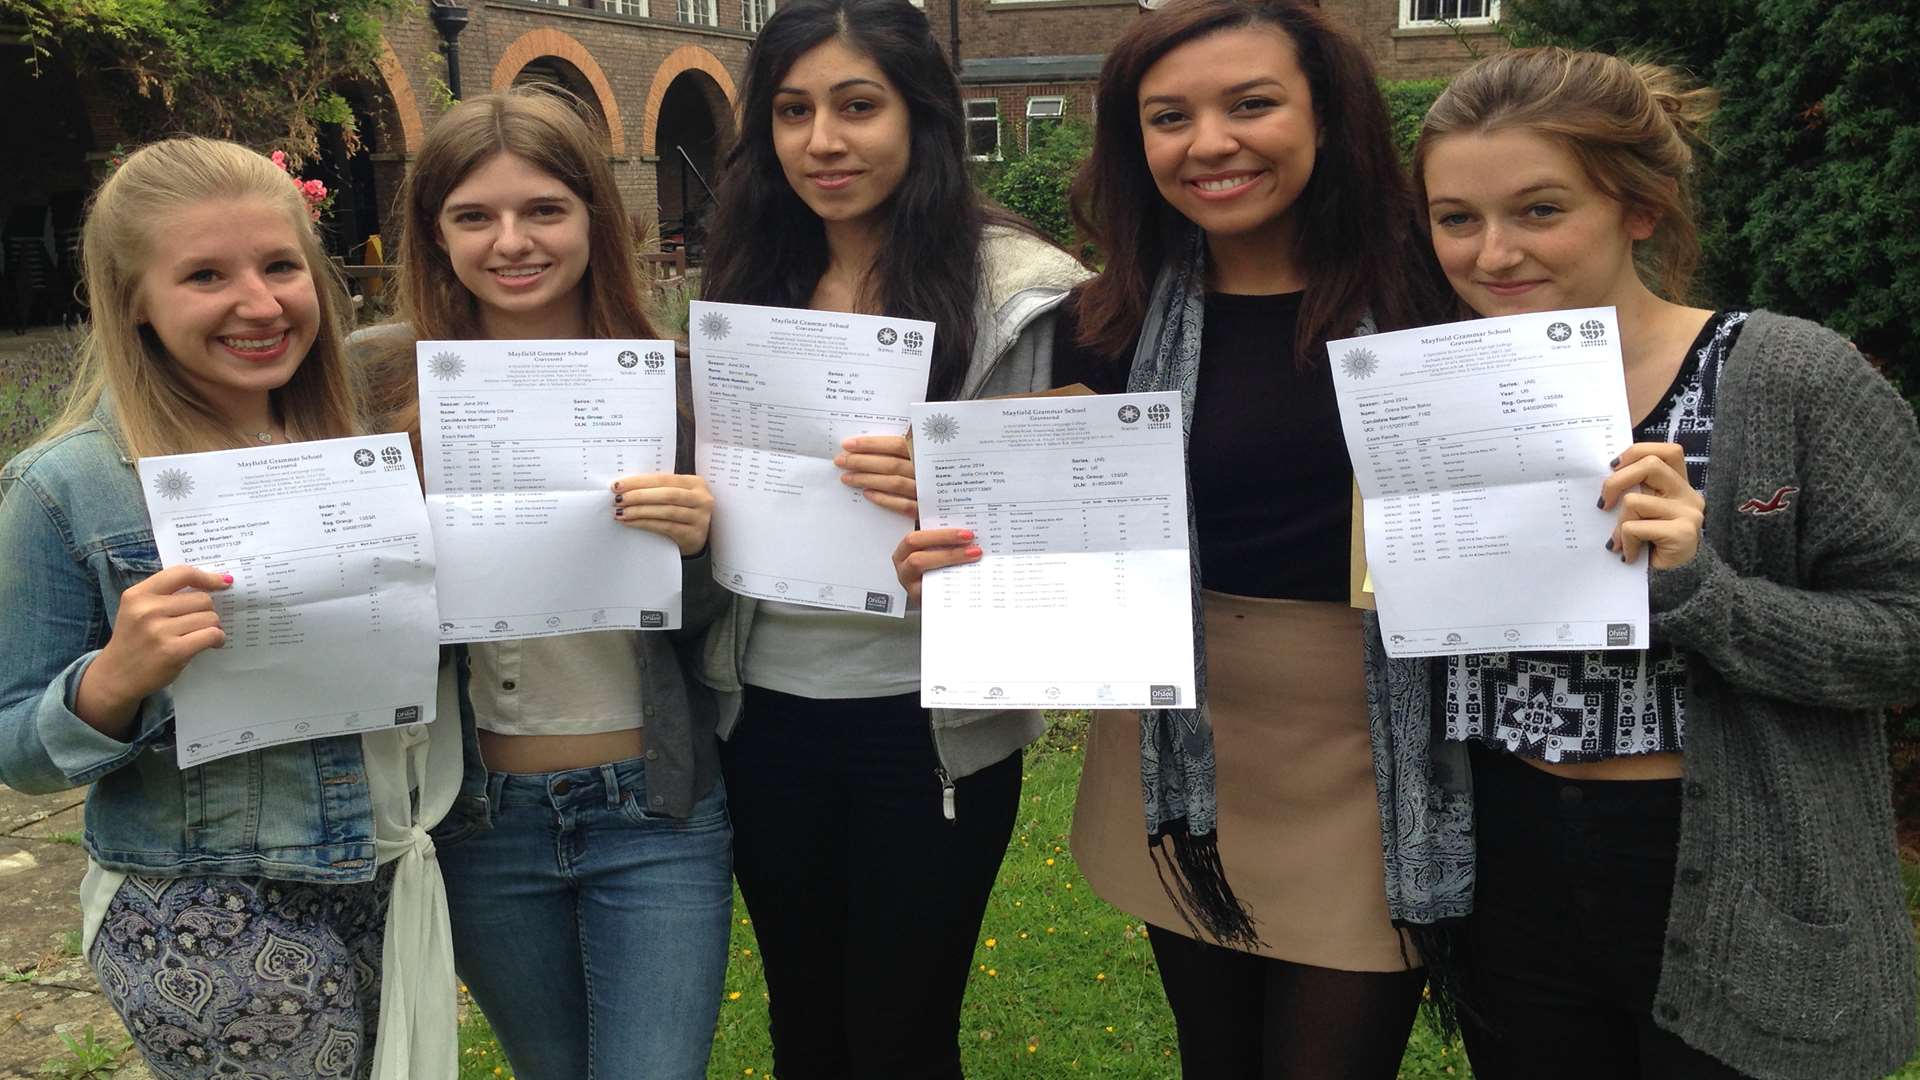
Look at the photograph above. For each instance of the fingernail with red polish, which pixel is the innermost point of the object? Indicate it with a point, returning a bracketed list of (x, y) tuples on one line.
[(228, 578), (966, 534), (973, 552)]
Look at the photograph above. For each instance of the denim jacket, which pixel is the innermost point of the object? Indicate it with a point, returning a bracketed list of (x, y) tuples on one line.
[(74, 534)]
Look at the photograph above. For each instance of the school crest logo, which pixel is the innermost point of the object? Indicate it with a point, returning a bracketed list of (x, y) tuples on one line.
[(1559, 331), (887, 336), (173, 484), (1359, 362), (1129, 414), (628, 358), (940, 428), (715, 326), (363, 457), (446, 366)]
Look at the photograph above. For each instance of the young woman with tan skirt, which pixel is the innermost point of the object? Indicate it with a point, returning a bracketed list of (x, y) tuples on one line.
[(1244, 191)]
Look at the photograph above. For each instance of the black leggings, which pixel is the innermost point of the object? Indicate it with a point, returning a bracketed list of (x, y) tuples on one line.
[(866, 901), (1569, 927), (1247, 1017)]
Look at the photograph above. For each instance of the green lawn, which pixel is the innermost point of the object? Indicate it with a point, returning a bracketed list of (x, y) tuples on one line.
[(1062, 983)]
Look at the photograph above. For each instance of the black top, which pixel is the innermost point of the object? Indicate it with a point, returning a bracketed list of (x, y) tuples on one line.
[(1272, 488)]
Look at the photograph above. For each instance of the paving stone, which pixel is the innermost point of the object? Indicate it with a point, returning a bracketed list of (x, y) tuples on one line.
[(33, 1017), (18, 810), (42, 900), (69, 822)]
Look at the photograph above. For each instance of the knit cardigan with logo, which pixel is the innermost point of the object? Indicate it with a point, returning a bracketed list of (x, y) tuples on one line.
[(1789, 951)]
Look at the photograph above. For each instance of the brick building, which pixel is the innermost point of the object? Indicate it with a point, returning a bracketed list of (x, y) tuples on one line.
[(1026, 63), (660, 75)]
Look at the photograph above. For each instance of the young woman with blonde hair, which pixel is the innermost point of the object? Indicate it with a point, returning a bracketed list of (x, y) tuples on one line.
[(268, 912), (1679, 861), (587, 870)]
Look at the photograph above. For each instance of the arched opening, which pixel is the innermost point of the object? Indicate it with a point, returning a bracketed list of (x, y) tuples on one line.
[(346, 166), (553, 71), (691, 137), (43, 190)]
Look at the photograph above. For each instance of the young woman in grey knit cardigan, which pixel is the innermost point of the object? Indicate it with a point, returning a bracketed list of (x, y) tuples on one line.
[(1676, 862)]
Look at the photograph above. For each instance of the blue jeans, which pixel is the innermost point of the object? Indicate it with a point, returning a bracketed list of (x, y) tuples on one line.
[(592, 933)]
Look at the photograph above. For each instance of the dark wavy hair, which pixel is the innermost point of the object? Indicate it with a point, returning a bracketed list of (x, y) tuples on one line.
[(1356, 239), (767, 247)]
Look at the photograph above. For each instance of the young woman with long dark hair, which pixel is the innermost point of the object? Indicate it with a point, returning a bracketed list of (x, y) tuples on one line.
[(1245, 193), (868, 831)]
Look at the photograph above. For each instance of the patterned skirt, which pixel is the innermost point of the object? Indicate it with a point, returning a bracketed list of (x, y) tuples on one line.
[(241, 977)]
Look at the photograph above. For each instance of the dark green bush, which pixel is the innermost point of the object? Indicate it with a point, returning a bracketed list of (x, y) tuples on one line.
[(1034, 183), (1407, 104), (1811, 197)]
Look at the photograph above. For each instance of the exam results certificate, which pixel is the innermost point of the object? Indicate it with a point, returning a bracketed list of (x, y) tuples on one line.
[(330, 618), (775, 391), (1480, 448), (523, 441), (1083, 596)]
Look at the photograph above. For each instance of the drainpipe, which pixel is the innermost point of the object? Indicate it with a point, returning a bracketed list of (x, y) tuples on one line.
[(449, 18)]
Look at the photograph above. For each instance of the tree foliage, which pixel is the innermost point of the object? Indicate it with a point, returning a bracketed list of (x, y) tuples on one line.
[(262, 72), (1811, 196)]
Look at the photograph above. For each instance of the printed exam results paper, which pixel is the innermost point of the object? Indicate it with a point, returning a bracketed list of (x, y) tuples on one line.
[(330, 619), (1082, 598), (775, 392), (523, 441), (1480, 448)]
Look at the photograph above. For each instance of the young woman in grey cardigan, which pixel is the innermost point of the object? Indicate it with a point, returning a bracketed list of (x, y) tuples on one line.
[(1675, 862)]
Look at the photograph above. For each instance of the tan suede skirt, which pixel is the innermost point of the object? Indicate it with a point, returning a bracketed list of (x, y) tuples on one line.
[(1299, 825)]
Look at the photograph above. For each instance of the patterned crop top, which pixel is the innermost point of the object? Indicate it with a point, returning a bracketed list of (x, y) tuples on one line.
[(1587, 706)]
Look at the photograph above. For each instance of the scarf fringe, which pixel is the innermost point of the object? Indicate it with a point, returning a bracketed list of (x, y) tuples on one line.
[(1442, 952), (1190, 871)]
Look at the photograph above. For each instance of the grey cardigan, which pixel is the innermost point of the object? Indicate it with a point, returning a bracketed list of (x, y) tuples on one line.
[(1789, 949), (1026, 279)]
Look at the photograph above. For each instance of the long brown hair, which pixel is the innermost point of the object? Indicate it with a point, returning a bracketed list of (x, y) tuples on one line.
[(550, 132), (1356, 237), (1633, 127), (156, 410)]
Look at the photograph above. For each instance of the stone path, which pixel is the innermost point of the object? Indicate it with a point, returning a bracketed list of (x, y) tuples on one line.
[(45, 990)]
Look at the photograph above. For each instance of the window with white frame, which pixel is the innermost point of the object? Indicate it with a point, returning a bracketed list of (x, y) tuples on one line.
[(983, 128), (705, 12), (1043, 113), (1415, 13), (625, 7), (754, 14)]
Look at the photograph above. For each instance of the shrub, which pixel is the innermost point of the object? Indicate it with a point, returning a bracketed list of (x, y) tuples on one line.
[(1034, 184), (1407, 105), (1811, 199)]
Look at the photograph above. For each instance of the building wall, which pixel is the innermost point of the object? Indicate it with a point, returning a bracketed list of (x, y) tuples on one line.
[(627, 63), (1412, 53), (1017, 28)]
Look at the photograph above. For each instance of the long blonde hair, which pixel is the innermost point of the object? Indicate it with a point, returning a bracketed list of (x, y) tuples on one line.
[(155, 408), (550, 132), (1635, 128)]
